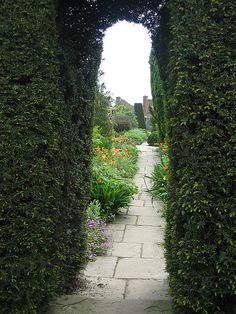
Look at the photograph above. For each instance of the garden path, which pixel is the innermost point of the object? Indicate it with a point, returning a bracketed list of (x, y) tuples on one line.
[(131, 278)]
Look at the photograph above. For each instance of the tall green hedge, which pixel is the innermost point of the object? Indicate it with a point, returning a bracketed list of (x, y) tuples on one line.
[(200, 236), (138, 110), (45, 156), (31, 163)]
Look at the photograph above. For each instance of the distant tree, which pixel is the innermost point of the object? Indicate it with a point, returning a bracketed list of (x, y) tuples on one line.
[(138, 109), (123, 118), (102, 111)]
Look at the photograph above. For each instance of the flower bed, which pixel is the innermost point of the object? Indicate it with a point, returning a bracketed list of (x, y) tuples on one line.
[(114, 165)]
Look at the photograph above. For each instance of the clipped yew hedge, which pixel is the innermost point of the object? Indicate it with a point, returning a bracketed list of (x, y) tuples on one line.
[(44, 169), (138, 110), (158, 108), (200, 234)]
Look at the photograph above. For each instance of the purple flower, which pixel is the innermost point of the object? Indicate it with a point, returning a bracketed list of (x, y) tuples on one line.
[(92, 223)]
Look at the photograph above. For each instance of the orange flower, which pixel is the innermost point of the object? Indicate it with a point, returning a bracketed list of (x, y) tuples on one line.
[(165, 168), (104, 157), (161, 145)]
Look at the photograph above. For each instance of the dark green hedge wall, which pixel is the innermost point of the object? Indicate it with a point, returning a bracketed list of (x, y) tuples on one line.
[(138, 110), (200, 236), (31, 163), (45, 153)]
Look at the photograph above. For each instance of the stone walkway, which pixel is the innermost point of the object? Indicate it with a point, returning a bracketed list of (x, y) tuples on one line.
[(131, 278)]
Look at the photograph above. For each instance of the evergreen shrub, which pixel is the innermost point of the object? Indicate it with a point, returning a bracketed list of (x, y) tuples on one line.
[(138, 109), (153, 138), (136, 136)]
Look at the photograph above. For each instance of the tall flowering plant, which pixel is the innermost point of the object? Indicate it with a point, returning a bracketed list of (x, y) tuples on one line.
[(99, 238), (98, 234)]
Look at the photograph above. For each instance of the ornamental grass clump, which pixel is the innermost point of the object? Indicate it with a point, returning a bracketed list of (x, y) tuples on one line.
[(160, 177)]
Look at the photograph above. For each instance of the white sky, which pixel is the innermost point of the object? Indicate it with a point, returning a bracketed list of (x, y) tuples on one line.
[(126, 50)]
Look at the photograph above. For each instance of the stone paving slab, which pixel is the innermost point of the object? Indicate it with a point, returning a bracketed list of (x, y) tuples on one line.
[(137, 203), (147, 290), (150, 221), (140, 268), (117, 235), (126, 249), (126, 219), (100, 288), (143, 234), (153, 250), (74, 304), (103, 267), (142, 211), (118, 227)]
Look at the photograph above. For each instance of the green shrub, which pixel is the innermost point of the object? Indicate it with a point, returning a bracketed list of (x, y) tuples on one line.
[(99, 140), (123, 119), (102, 107), (136, 136), (159, 179), (153, 138), (112, 191), (93, 210), (121, 123)]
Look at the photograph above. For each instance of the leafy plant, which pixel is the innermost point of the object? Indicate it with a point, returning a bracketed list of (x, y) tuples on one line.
[(93, 210), (123, 118), (136, 136), (99, 140), (102, 107), (112, 192), (159, 179), (120, 160), (153, 138)]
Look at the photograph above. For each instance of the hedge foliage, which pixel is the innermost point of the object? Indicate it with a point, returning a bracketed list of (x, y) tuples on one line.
[(45, 154), (158, 108), (200, 234), (31, 163), (50, 54), (138, 109)]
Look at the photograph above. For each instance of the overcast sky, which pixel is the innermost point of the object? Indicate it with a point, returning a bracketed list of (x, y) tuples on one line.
[(125, 64)]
